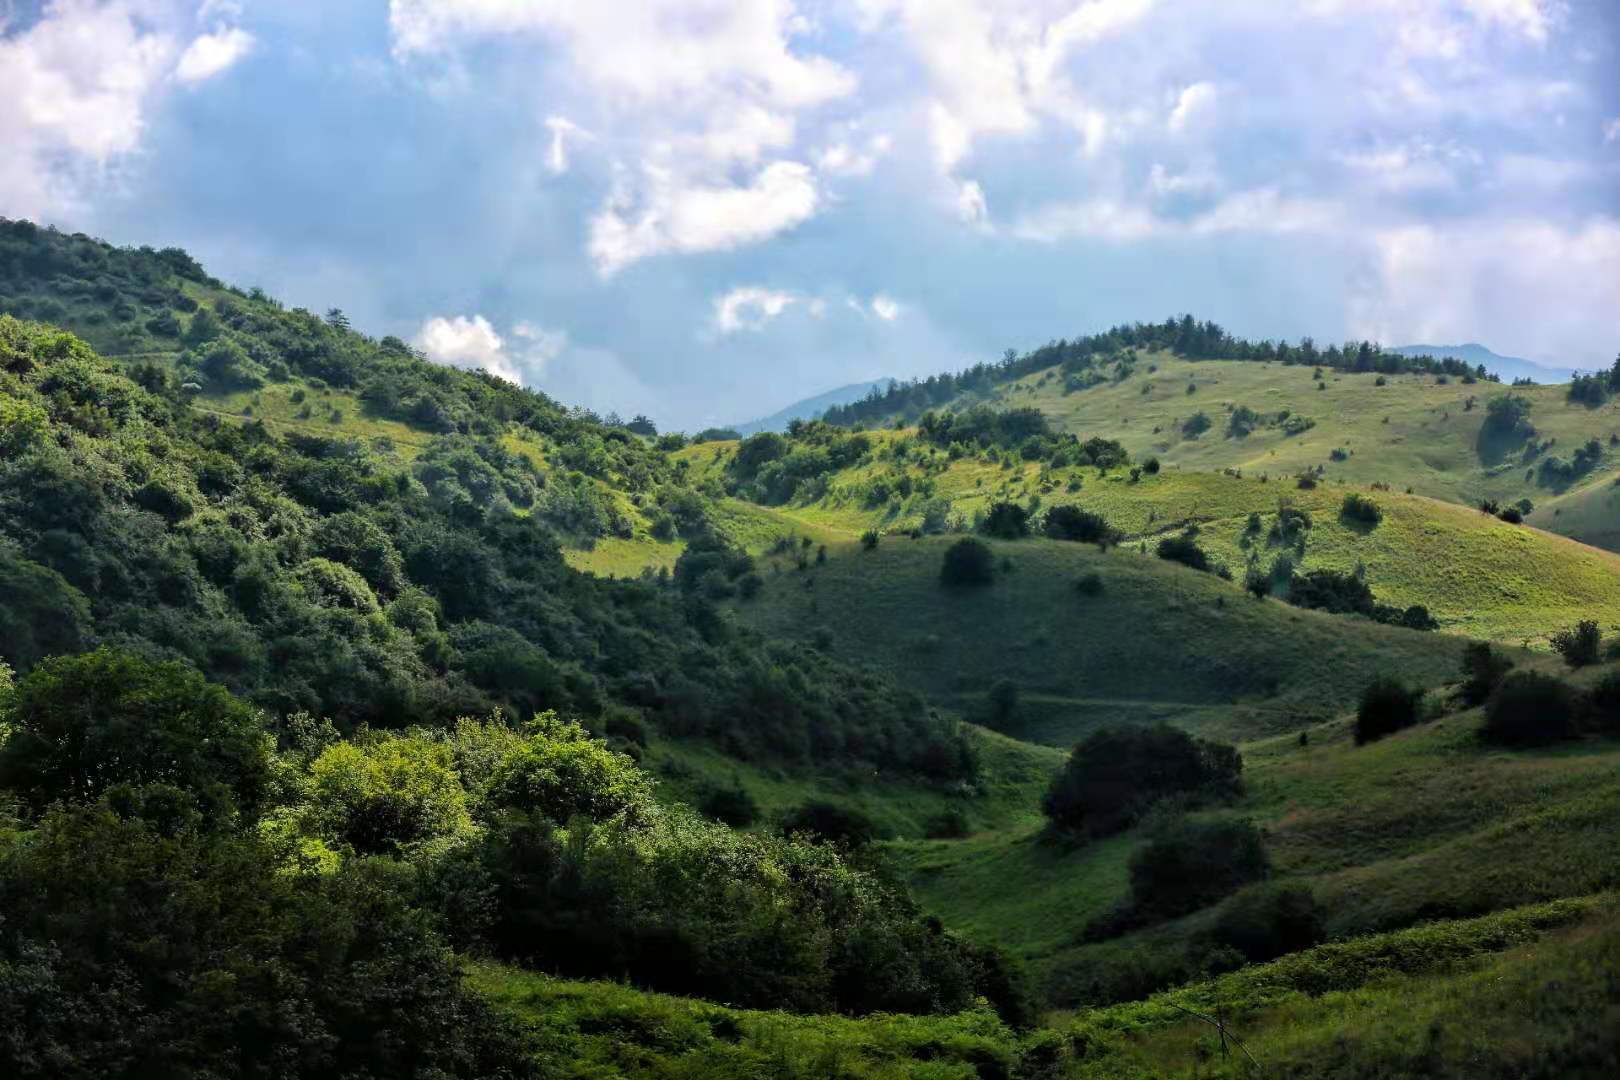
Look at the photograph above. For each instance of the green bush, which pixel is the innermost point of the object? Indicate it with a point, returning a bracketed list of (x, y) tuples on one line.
[(1006, 520), (733, 804), (1531, 709), (968, 562), (1579, 645), (1270, 921), (1358, 509), (1387, 705), (1068, 522), (1190, 864), (1114, 775), (834, 823), (1483, 668)]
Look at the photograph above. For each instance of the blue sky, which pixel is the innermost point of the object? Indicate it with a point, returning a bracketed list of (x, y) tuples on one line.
[(705, 209)]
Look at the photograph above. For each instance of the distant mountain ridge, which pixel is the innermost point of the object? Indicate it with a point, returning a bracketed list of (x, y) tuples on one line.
[(1506, 368), (811, 408)]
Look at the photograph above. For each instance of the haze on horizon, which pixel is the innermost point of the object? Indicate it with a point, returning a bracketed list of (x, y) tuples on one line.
[(703, 210)]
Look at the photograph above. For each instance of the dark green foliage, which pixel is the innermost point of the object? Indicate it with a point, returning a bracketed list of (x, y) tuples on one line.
[(1002, 705), (1349, 594), (1483, 668), (1184, 549), (733, 804), (869, 539), (1589, 390), (1508, 414), (1386, 706), (1530, 709), (1190, 864), (1006, 520), (834, 823), (1069, 522), (1604, 704), (1115, 775), (128, 952), (1359, 510), (968, 562), (1579, 645), (82, 725), (1196, 424), (40, 612), (1270, 921), (280, 566)]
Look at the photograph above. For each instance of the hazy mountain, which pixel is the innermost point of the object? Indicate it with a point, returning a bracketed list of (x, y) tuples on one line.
[(1506, 368), (812, 407)]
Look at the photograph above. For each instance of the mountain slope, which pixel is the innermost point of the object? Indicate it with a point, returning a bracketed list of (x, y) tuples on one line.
[(811, 408)]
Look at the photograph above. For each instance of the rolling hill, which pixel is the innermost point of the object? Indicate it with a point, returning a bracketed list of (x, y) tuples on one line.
[(1506, 368)]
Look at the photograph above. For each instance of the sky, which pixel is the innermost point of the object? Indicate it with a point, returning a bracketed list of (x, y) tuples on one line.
[(702, 210)]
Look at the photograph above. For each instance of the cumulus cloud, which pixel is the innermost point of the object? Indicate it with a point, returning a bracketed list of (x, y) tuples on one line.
[(472, 342), (1611, 130), (1193, 105), (211, 54), (1476, 280), (749, 307), (668, 214), (885, 308), (80, 84)]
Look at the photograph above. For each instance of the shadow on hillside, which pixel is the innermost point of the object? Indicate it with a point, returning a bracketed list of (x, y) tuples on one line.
[(1495, 445)]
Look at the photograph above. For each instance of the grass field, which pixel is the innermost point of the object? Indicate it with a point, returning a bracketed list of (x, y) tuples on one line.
[(1180, 644)]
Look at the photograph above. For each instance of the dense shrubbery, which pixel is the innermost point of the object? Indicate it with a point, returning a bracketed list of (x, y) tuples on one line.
[(1360, 510), (1184, 549), (1186, 865), (1483, 668), (1387, 706), (1579, 645), (1349, 594), (1006, 520), (149, 930), (319, 575), (1069, 522), (1531, 709), (1269, 921), (1115, 775)]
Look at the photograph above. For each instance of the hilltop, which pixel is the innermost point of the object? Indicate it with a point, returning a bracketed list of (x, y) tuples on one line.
[(1506, 368)]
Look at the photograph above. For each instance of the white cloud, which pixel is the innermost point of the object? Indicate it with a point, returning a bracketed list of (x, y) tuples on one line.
[(562, 130), (80, 84), (885, 308), (1163, 182), (749, 307), (211, 54), (1475, 280), (1611, 130), (996, 68), (471, 342), (971, 206), (674, 215), (847, 158), (1193, 104), (1259, 211), (642, 50)]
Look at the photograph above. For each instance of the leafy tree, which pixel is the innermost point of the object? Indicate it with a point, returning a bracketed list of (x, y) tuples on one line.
[(968, 562), (1114, 775), (1483, 668), (733, 804), (1184, 549), (388, 792), (41, 613), (1006, 520), (832, 822), (1579, 645), (1269, 921), (1530, 709), (1387, 705), (81, 725), (1069, 522), (1002, 701), (561, 772), (1360, 510)]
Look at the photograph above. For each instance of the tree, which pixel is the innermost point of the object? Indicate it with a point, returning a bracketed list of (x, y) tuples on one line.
[(1184, 550), (1069, 522), (1580, 644), (1006, 520), (81, 725), (1483, 668), (389, 792), (832, 822), (1387, 706), (1530, 709), (968, 562), (641, 425), (1269, 921), (1114, 775)]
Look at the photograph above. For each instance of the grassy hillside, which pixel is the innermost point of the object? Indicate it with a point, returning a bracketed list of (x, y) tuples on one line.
[(1418, 431), (1158, 640), (1477, 575)]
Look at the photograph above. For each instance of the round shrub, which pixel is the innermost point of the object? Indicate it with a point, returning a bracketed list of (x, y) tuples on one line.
[(968, 562), (1270, 921), (1387, 706), (1530, 709)]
